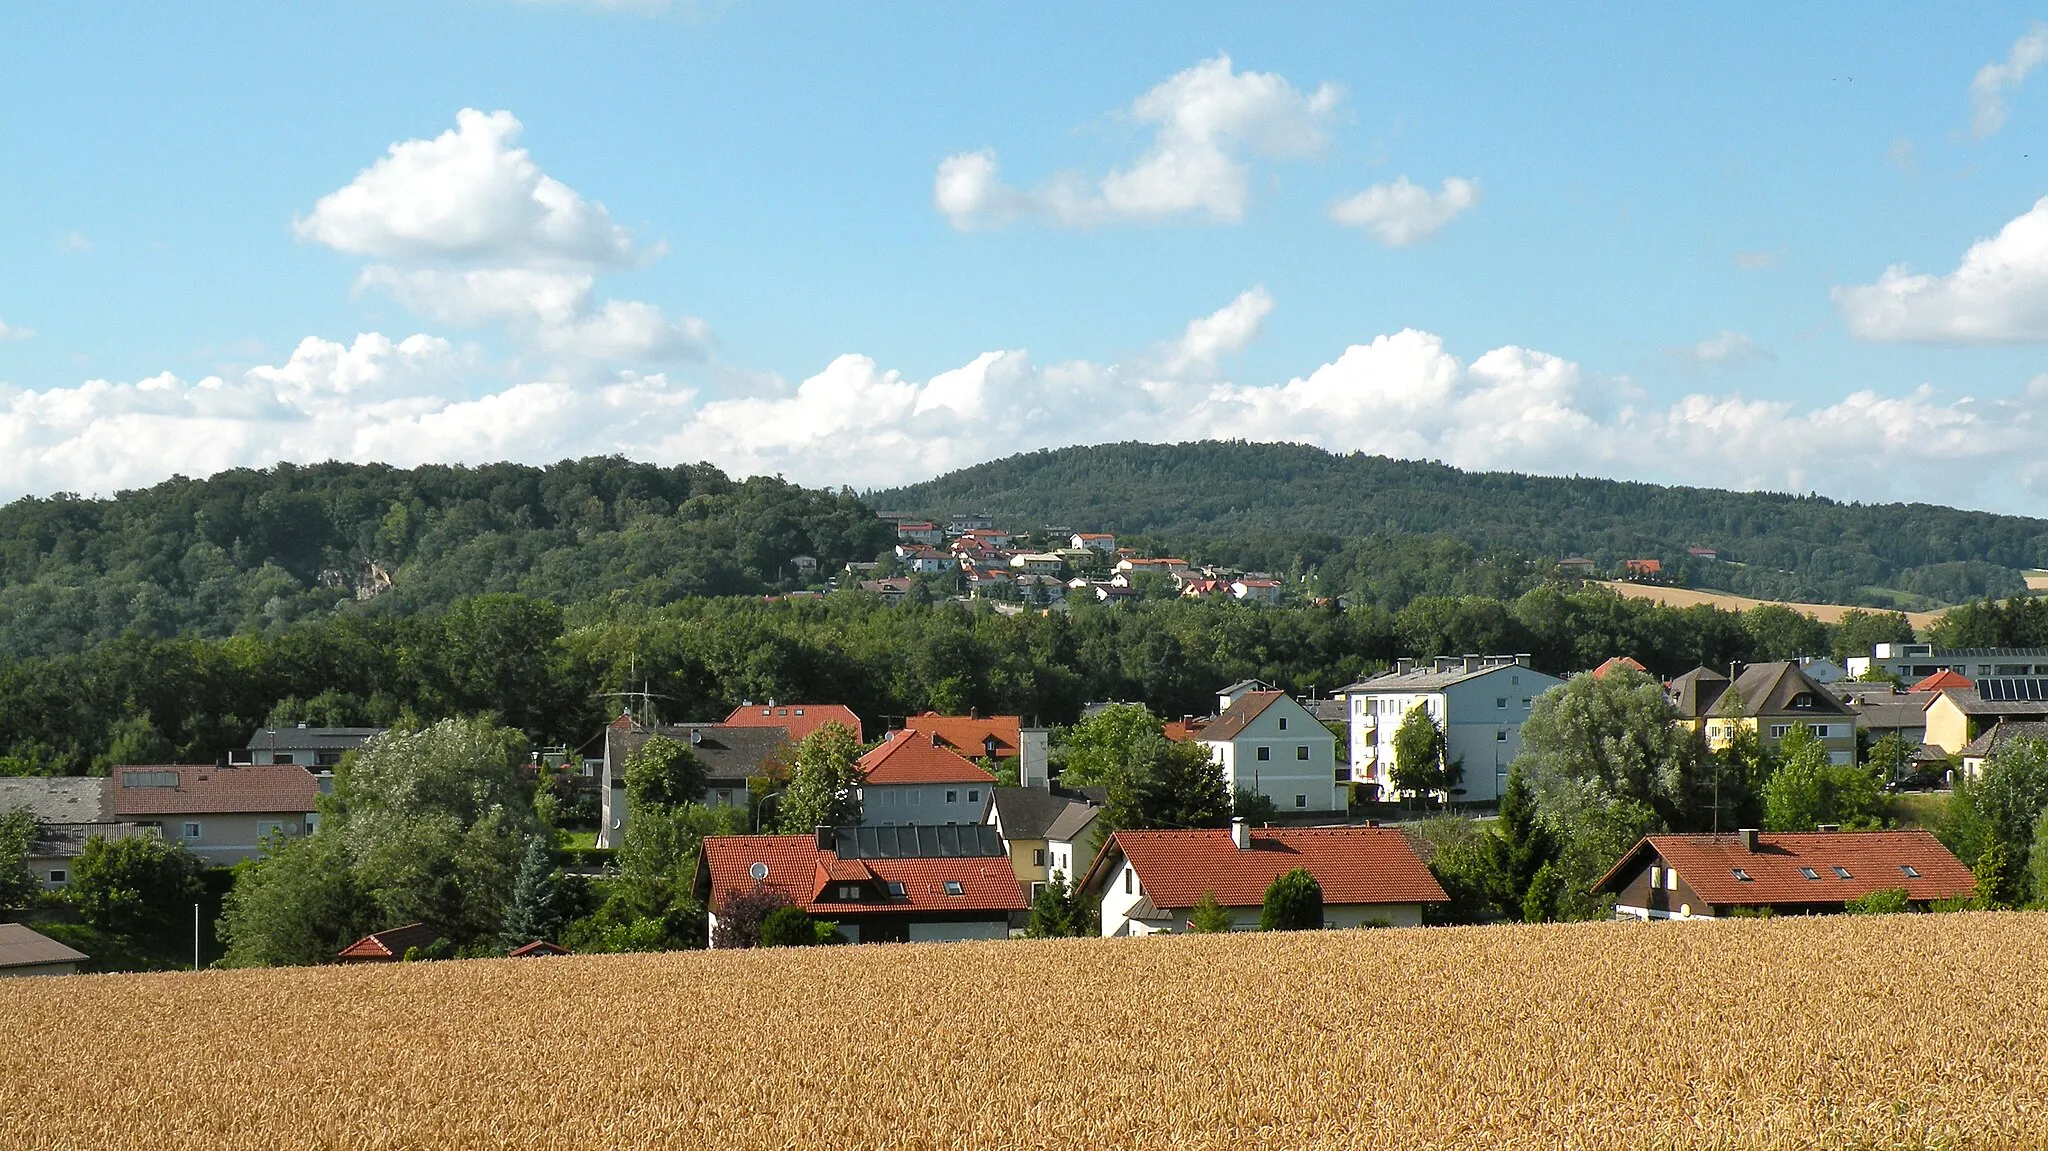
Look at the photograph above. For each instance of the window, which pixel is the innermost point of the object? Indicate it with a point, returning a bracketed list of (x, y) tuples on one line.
[(1842, 873), (1341, 775), (1500, 735), (849, 893), (327, 759), (268, 828), (799, 711), (1501, 702), (1778, 730), (1283, 723), (915, 792), (1820, 731), (953, 887), (1741, 875), (895, 889), (1301, 751), (1038, 857), (1670, 880), (59, 875), (1809, 873), (1127, 881), (888, 799), (1265, 753), (191, 830), (974, 795), (1301, 801), (1909, 871), (1526, 702), (952, 796), (282, 757)]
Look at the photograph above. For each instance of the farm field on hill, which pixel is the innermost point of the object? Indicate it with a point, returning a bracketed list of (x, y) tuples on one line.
[(1691, 597), (1906, 1031)]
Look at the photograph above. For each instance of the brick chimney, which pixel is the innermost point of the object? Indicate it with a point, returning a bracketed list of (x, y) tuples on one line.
[(1240, 834), (1748, 835)]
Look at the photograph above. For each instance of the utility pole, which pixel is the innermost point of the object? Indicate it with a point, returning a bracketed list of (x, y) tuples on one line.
[(195, 937)]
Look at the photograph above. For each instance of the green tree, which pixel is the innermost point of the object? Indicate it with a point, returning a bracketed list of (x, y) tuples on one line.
[(1294, 902), (1255, 808), (1546, 892), (296, 904), (1207, 916), (663, 773), (1093, 751), (824, 785), (1884, 901), (1890, 758), (788, 927), (1858, 631), (137, 894), (533, 912), (134, 739), (1055, 912), (18, 886), (1519, 848), (1796, 797), (1997, 879), (1418, 753), (1182, 787)]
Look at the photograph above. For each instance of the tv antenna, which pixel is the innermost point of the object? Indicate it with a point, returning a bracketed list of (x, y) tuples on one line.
[(644, 716)]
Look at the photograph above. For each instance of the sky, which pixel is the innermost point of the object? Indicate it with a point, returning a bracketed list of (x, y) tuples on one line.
[(864, 245)]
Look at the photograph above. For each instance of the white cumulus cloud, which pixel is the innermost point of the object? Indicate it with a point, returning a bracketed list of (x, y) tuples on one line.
[(1404, 213), (1205, 122), (1999, 293), (13, 332), (1723, 347), (1995, 82)]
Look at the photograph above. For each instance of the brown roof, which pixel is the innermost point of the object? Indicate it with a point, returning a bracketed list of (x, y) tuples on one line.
[(914, 757), (796, 867), (390, 944), (799, 719), (1778, 690), (2001, 733), (20, 947), (1617, 663), (1242, 710), (1353, 864), (1696, 692), (1943, 680), (1873, 861), (175, 789), (970, 734), (539, 948)]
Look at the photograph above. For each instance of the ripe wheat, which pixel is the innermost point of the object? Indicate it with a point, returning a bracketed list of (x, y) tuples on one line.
[(1907, 1031)]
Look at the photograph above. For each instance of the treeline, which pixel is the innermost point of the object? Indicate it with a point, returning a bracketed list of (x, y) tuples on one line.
[(1782, 546), (256, 551), (546, 672)]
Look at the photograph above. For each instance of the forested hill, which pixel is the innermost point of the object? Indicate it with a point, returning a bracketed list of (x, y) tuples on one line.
[(1782, 546), (254, 550)]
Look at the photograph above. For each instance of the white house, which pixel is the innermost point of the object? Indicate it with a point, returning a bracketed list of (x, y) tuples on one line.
[(1037, 563), (1267, 743), (911, 779), (1103, 542), (1256, 590), (1147, 882), (924, 560), (1478, 701)]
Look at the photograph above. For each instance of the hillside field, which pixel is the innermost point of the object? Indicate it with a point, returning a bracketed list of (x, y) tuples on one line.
[(1902, 1031), (1690, 597)]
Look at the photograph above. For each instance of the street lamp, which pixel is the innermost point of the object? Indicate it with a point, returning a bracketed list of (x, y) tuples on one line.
[(762, 803)]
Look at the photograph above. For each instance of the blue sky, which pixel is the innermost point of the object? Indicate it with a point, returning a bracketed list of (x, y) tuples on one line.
[(864, 245)]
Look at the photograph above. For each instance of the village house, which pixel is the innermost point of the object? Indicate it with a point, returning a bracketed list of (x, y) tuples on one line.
[(1999, 674), (24, 952), (1037, 563), (920, 532), (1071, 841), (731, 754), (797, 719), (1100, 542), (1768, 700), (1477, 701), (1024, 817), (1578, 566), (1956, 717), (1147, 882), (986, 537), (1708, 876), (1002, 738), (320, 748), (919, 559), (890, 589), (391, 945), (220, 814), (1643, 570), (1268, 744), (1266, 591), (1975, 752), (878, 884), (911, 779)]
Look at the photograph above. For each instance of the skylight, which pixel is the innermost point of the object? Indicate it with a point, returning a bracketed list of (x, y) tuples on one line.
[(1911, 871), (1741, 874), (953, 887), (1809, 873), (896, 889), (1843, 873)]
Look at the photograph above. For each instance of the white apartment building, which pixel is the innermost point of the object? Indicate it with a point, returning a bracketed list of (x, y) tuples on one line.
[(1478, 701)]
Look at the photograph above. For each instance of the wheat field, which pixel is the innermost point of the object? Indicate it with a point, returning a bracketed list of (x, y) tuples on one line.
[(1908, 1031)]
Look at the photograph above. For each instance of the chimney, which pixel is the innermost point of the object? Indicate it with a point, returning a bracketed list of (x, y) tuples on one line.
[(1748, 839), (1240, 834), (825, 838), (1827, 827), (1370, 823), (1472, 663), (1403, 666)]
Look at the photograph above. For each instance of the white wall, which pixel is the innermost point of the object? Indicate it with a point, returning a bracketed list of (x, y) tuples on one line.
[(898, 804), (1478, 729), (1117, 902), (1291, 782)]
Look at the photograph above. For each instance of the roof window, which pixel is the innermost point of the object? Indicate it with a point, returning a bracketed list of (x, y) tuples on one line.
[(1842, 873), (1742, 875), (895, 889), (953, 887), (1910, 871), (1809, 873)]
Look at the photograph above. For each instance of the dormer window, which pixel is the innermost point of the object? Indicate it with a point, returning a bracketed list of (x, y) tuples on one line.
[(895, 889), (849, 893), (1909, 871)]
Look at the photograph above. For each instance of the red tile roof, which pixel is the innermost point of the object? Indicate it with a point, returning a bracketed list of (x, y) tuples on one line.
[(1354, 865), (915, 757), (537, 949), (799, 870), (390, 944), (209, 790), (1943, 680), (1616, 663), (1873, 859), (968, 734), (800, 718), (1242, 710)]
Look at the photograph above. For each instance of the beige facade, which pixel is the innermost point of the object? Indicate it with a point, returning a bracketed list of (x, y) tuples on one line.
[(224, 839)]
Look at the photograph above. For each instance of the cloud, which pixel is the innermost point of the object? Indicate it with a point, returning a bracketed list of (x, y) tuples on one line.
[(1998, 294), (1205, 122), (9, 332), (1723, 348), (1995, 82), (1401, 213), (468, 230), (427, 399), (75, 242)]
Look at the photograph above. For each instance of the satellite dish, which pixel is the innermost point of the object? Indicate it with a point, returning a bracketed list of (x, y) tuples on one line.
[(759, 871)]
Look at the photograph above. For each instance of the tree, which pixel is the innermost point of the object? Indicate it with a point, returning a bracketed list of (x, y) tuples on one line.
[(823, 787), (1890, 758), (1182, 787), (1997, 882), (743, 914), (1858, 631), (18, 886), (1795, 799), (1418, 752), (137, 894), (663, 773), (1255, 808), (788, 926), (296, 904), (1546, 892), (1294, 902), (1884, 901), (1519, 848), (532, 913), (1093, 751), (1055, 911), (1208, 917)]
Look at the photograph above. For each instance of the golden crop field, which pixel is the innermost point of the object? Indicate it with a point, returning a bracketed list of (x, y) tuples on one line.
[(1907, 1031)]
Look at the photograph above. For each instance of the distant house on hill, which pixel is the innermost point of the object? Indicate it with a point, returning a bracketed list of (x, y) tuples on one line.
[(732, 754), (1791, 873), (1643, 571), (1147, 882), (1707, 554), (1578, 566), (1618, 663), (798, 719)]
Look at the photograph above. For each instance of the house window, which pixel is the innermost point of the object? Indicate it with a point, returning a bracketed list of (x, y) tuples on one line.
[(59, 875), (1036, 887), (1778, 730), (327, 759), (1742, 875), (849, 894), (1670, 880), (1909, 871), (953, 887), (1301, 751), (1820, 731), (1283, 723), (1809, 873), (1500, 735), (1038, 857), (1656, 876), (1842, 873), (974, 795), (1501, 702), (895, 889), (1127, 881), (952, 796), (190, 831), (1265, 753), (913, 796), (1301, 801), (1526, 702), (888, 799), (799, 711)]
